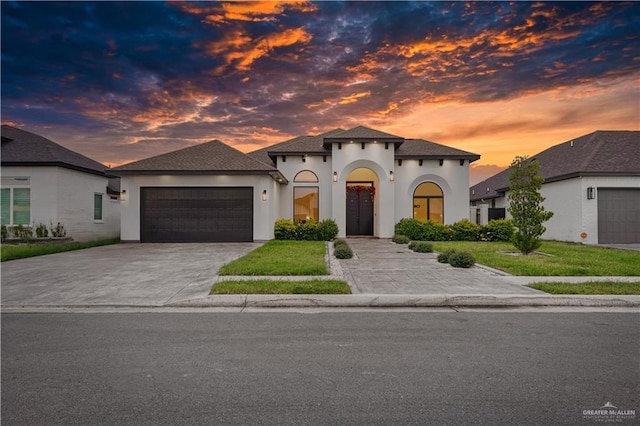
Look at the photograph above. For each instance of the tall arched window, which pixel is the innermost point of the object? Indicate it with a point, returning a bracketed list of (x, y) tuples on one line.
[(428, 202), (305, 198)]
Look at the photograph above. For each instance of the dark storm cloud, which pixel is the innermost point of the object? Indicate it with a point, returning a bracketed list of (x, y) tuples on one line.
[(138, 76)]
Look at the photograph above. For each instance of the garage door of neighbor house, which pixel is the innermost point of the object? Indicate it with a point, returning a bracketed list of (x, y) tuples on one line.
[(618, 215), (198, 214)]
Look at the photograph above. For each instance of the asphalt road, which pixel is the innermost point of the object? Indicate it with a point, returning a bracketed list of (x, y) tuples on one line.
[(325, 368)]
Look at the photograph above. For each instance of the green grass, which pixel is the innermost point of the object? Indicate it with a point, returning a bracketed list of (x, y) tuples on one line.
[(277, 257), (281, 287), (568, 259), (11, 252), (594, 287)]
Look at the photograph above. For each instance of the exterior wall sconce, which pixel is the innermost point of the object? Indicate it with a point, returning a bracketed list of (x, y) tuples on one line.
[(441, 161), (264, 196), (462, 162), (335, 176), (591, 193), (123, 195), (391, 176)]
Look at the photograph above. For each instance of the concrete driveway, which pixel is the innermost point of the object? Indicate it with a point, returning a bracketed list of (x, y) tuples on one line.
[(120, 274)]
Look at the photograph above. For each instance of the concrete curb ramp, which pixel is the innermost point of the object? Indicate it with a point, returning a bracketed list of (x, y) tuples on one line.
[(405, 301)]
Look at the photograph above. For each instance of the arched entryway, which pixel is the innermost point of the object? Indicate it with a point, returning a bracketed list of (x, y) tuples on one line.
[(360, 192), (428, 202)]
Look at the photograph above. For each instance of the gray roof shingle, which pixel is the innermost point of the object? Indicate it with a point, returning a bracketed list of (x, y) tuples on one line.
[(212, 157), (22, 148), (612, 152), (362, 132), (420, 148)]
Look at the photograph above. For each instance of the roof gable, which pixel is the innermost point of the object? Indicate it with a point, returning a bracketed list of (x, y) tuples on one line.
[(614, 152), (212, 157), (362, 132), (22, 148)]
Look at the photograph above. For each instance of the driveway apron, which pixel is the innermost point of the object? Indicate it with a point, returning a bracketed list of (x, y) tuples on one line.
[(382, 267), (119, 274)]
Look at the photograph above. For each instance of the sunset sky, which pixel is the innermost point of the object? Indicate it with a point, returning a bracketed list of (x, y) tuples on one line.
[(127, 80)]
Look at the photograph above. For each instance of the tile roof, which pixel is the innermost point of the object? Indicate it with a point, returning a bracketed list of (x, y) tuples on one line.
[(420, 148), (615, 152), (22, 148), (212, 157)]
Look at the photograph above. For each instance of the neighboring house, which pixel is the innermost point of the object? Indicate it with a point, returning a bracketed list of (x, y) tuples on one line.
[(592, 186), (364, 179), (43, 182)]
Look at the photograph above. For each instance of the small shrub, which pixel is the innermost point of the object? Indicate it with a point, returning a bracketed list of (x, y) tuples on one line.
[(22, 232), (412, 228), (421, 246), (445, 255), (400, 239), (284, 229), (342, 250), (58, 230), (462, 259), (423, 231), (5, 233), (498, 230), (42, 231), (307, 230), (327, 229), (465, 230)]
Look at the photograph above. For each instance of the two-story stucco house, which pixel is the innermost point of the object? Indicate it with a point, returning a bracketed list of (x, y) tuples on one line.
[(364, 179), (43, 182)]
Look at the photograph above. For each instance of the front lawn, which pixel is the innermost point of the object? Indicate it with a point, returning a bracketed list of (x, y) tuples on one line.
[(567, 259), (594, 287), (278, 257), (10, 252), (281, 287)]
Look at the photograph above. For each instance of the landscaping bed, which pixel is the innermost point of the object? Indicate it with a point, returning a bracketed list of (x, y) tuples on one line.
[(559, 259)]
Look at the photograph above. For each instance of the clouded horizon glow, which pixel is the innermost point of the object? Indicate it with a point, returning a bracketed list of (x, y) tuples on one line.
[(121, 81)]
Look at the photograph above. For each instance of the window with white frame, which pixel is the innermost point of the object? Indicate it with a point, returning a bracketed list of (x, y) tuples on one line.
[(15, 201)]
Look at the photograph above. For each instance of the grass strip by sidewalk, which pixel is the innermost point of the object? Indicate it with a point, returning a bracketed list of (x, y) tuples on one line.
[(566, 259), (277, 257), (281, 287), (592, 287), (11, 252)]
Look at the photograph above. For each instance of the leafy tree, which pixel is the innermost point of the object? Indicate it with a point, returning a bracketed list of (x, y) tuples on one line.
[(525, 204)]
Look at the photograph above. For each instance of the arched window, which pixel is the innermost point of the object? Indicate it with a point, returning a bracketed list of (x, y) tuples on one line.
[(305, 198), (428, 202), (306, 176)]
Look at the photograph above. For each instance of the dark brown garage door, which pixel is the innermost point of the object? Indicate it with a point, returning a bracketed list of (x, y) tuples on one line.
[(196, 214), (618, 215)]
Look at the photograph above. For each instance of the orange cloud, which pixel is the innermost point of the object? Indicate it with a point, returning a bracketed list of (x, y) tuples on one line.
[(249, 11), (354, 98), (239, 49)]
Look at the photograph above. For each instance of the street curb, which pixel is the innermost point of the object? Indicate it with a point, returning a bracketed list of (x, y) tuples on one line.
[(405, 301)]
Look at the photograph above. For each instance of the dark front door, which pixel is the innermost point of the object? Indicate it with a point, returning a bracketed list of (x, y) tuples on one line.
[(359, 213), (201, 214)]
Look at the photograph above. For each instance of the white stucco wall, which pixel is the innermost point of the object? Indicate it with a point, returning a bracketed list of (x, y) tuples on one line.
[(264, 213), (294, 165), (393, 200), (66, 196), (451, 177)]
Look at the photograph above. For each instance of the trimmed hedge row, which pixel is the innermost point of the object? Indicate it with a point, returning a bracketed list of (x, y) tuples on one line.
[(463, 230), (309, 230)]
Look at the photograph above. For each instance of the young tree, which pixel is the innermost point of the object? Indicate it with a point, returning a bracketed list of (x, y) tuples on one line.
[(525, 204)]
